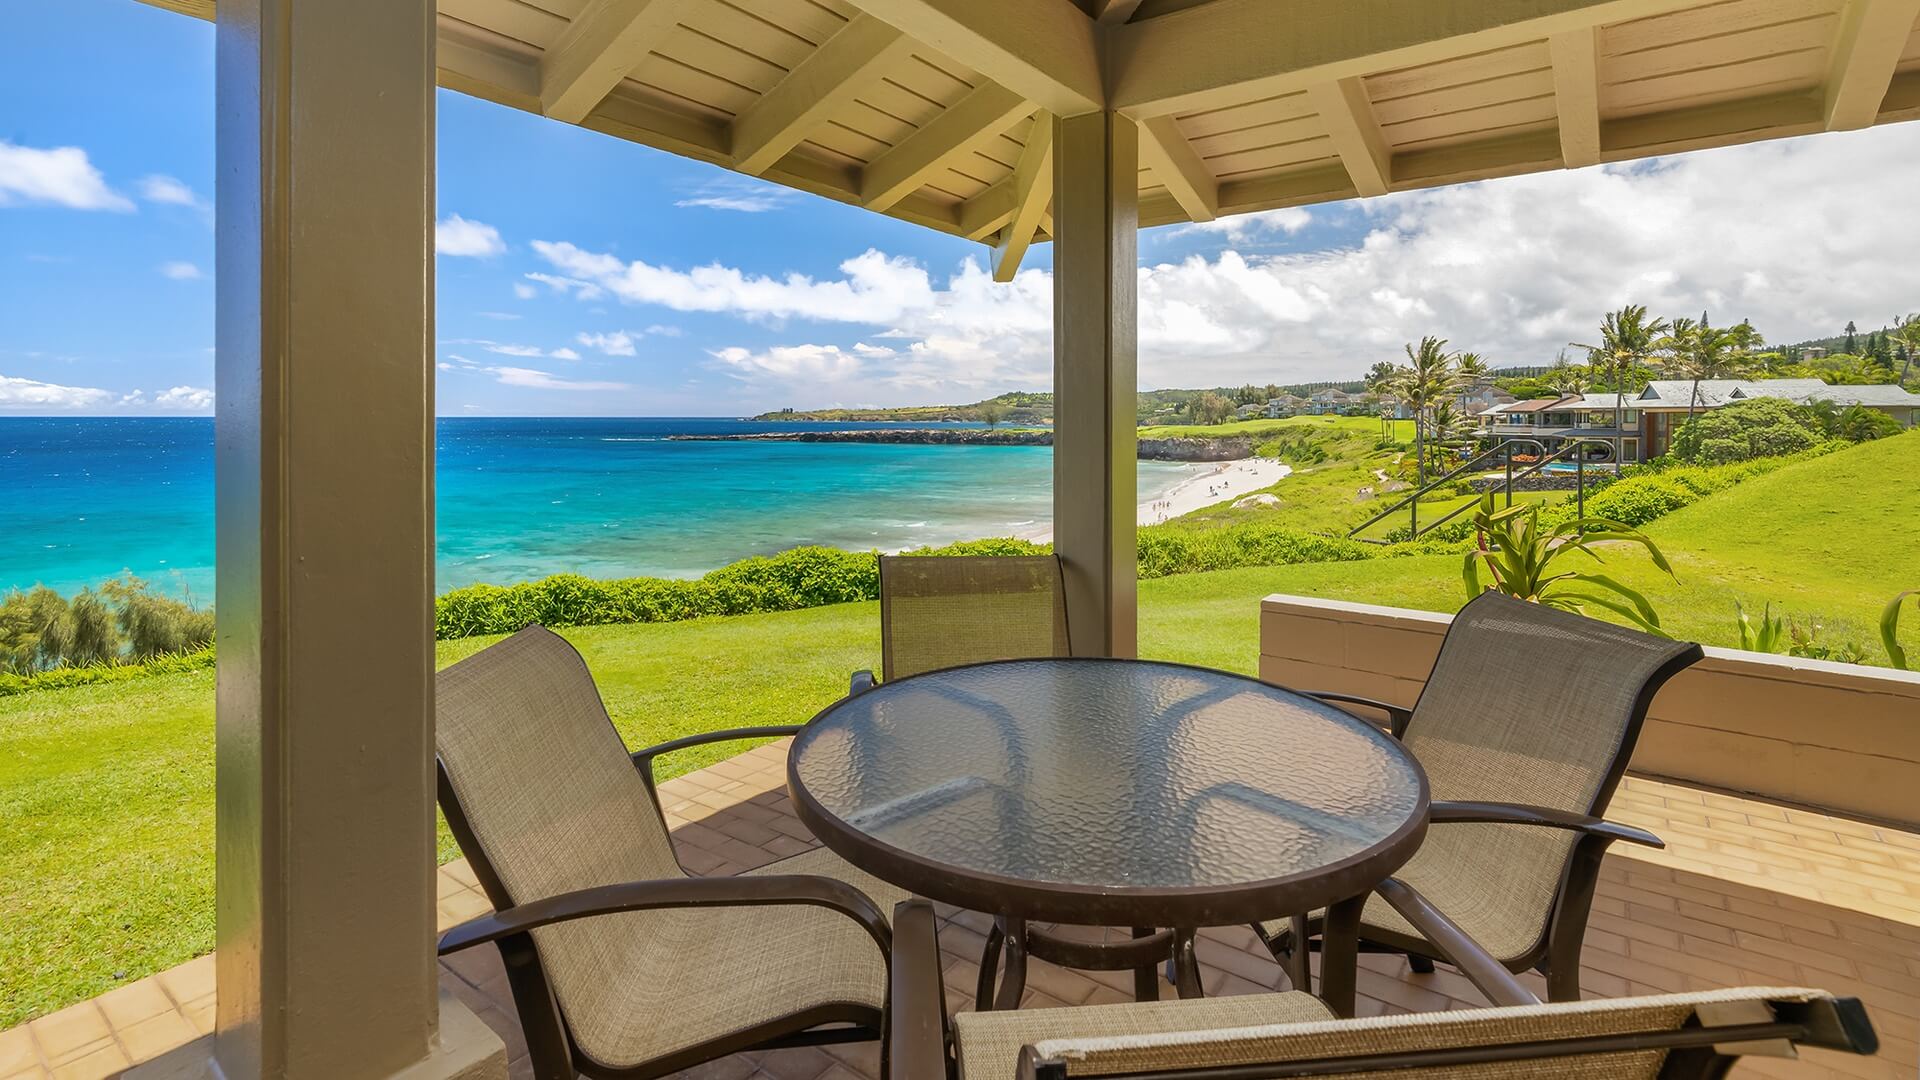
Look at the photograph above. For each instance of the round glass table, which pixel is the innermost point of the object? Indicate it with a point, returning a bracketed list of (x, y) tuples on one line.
[(1120, 793)]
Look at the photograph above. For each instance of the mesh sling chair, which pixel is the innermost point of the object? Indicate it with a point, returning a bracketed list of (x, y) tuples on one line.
[(621, 965), (1524, 728), (1693, 1036), (940, 611)]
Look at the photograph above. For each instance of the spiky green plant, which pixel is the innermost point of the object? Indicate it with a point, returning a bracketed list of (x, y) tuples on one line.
[(1890, 629), (1526, 561), (1768, 636)]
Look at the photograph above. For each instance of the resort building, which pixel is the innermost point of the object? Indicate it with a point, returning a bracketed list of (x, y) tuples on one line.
[(1649, 418), (1331, 401), (1284, 406)]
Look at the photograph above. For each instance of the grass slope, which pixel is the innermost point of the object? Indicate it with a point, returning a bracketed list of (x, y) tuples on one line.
[(106, 866)]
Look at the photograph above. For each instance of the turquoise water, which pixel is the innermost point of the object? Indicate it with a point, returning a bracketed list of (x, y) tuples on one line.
[(84, 499)]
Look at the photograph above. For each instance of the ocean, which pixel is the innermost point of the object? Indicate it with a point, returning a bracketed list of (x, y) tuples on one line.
[(84, 499)]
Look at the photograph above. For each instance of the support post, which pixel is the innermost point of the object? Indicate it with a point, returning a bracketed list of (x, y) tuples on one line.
[(1095, 325), (324, 507)]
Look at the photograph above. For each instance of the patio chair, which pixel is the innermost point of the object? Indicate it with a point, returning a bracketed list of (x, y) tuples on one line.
[(621, 965), (939, 611), (1692, 1036), (1524, 728)]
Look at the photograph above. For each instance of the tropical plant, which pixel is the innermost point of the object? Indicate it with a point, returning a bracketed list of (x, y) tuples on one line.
[(1627, 342), (990, 412), (1472, 367), (1806, 641), (1700, 351), (1525, 560), (1768, 636), (1428, 378), (1211, 408), (1760, 427), (1890, 629)]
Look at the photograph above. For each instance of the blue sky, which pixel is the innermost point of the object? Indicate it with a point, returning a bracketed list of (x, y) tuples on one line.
[(580, 274)]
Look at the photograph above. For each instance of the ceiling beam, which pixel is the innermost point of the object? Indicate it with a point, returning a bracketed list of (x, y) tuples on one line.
[(1576, 94), (1032, 190), (1187, 178), (1348, 113), (972, 123), (1043, 50), (1231, 51), (1114, 11), (1872, 35), (831, 76), (600, 47)]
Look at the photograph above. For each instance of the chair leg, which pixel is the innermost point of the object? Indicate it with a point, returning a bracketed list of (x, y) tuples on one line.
[(1563, 982), (989, 959), (1421, 965)]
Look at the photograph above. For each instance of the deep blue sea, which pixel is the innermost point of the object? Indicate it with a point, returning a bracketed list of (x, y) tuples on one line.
[(82, 500)]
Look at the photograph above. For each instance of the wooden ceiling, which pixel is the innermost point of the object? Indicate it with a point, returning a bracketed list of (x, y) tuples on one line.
[(926, 109)]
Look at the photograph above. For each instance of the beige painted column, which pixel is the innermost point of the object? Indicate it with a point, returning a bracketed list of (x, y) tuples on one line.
[(1096, 219), (324, 495)]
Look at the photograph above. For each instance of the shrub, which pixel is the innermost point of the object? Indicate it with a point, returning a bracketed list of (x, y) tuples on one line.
[(63, 677), (1163, 552), (1762, 427)]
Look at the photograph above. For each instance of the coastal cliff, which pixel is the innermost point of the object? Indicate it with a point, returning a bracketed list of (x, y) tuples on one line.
[(1230, 448)]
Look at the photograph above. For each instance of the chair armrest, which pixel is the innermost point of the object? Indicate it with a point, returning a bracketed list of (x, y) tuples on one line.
[(772, 890), (1478, 965), (861, 683), (1396, 716), (643, 759), (916, 997), (1544, 816)]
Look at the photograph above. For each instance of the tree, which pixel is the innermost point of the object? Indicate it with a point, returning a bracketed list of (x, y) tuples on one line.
[(1571, 379), (1211, 408), (1700, 351), (1381, 375), (1428, 377), (1851, 348), (991, 411), (1761, 427), (1906, 331), (1472, 367), (1627, 341)]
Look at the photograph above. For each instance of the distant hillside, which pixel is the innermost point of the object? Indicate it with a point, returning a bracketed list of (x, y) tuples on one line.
[(1160, 406)]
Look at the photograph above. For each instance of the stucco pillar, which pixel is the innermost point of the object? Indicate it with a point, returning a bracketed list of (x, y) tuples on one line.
[(1095, 324), (324, 495)]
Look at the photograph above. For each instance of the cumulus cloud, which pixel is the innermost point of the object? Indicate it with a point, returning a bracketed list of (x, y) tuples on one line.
[(543, 380), (61, 176), (581, 290), (524, 291), (456, 236), (179, 271), (618, 343), (185, 399), (160, 188), (1512, 268), (1241, 227), (23, 394)]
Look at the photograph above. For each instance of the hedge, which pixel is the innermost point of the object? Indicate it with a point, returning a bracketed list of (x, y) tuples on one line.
[(62, 677)]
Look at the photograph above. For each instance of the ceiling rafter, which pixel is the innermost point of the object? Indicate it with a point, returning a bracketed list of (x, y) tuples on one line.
[(972, 123), (830, 77), (1114, 11), (1165, 150), (1032, 191), (1576, 94), (1865, 54), (600, 47), (1043, 50), (1230, 51), (1347, 112)]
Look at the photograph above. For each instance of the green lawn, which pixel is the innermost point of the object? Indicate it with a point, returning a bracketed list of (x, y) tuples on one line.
[(106, 863)]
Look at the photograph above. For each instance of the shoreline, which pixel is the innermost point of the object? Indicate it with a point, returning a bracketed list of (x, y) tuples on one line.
[(1216, 483)]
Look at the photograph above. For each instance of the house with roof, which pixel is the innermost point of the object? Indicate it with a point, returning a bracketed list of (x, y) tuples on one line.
[(1330, 401), (1647, 420), (1481, 396), (1285, 405)]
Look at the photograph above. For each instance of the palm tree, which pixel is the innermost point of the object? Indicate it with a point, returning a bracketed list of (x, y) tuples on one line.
[(1472, 367), (1428, 377), (1701, 351), (1572, 379), (1627, 341), (1906, 331)]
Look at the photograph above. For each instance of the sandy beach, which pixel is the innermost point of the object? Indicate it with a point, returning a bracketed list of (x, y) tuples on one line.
[(1211, 482)]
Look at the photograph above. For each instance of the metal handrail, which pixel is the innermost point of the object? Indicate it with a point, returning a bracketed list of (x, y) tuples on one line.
[(1502, 448)]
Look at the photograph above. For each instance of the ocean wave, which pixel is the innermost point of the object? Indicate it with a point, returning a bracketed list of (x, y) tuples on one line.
[(630, 438), (1017, 524)]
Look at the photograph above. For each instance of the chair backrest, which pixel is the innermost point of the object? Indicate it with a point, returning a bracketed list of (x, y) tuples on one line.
[(1666, 1037), (939, 611), (1529, 704), (535, 781)]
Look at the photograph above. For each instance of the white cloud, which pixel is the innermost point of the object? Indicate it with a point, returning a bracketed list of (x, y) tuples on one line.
[(1240, 227), (513, 350), (809, 363), (618, 343), (160, 188), (739, 194), (564, 353), (456, 236), (62, 176), (524, 291), (17, 393), (542, 380), (179, 271), (877, 288), (581, 290), (504, 316), (185, 399), (662, 330)]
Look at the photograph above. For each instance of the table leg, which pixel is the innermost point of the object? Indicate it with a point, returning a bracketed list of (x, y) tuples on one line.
[(1300, 962), (1146, 980), (989, 959), (1340, 954), (1015, 981), (1186, 969)]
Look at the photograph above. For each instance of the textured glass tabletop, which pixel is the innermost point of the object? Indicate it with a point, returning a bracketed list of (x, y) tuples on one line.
[(1105, 778)]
